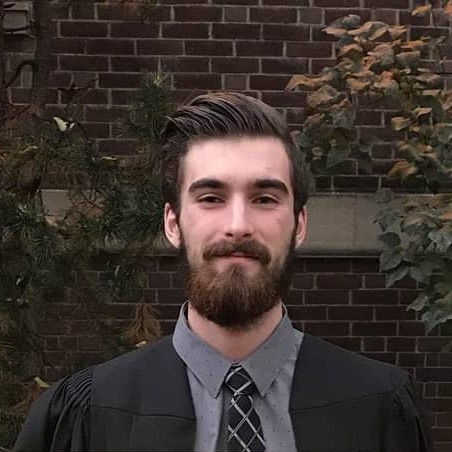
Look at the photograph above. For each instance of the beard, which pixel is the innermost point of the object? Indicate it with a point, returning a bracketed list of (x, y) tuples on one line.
[(235, 298)]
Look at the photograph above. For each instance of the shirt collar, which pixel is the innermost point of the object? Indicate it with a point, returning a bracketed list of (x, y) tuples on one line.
[(210, 367)]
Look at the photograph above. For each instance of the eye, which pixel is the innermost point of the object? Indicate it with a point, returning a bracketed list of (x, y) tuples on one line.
[(265, 200), (210, 199)]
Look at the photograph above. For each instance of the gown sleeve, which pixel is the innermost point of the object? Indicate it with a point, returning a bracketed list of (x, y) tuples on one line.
[(409, 429), (59, 420)]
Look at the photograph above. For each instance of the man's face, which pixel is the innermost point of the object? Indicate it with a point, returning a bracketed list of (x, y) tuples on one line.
[(236, 227)]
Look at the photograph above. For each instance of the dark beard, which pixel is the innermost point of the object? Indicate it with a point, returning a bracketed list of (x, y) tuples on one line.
[(233, 299)]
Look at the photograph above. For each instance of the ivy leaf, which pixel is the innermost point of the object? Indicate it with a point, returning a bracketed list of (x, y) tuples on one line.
[(421, 111), (421, 10), (356, 86), (408, 59), (420, 302), (323, 97), (396, 275), (442, 238), (400, 123), (402, 169), (389, 260), (336, 156), (389, 239)]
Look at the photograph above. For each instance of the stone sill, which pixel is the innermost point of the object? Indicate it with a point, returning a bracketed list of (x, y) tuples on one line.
[(338, 224)]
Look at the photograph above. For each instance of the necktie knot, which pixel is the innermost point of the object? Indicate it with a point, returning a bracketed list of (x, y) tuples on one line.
[(239, 381)]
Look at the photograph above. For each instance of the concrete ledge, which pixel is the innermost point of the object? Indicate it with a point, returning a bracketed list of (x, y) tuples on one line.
[(339, 224)]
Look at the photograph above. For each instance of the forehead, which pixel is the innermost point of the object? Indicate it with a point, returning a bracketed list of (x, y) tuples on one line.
[(236, 160)]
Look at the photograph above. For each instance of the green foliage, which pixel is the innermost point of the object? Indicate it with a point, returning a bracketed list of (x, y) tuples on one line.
[(113, 215), (378, 66)]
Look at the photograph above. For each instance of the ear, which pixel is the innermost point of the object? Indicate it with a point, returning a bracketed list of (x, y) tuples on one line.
[(300, 233), (172, 231)]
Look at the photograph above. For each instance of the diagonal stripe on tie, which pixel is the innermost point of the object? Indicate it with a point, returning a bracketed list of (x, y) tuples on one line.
[(244, 426)]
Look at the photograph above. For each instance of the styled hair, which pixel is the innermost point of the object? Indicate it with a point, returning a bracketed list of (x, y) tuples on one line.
[(220, 115)]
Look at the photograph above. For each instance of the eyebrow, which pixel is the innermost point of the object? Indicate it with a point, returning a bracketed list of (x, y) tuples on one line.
[(212, 183)]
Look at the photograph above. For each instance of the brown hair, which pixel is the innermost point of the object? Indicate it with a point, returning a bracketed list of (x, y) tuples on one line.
[(220, 115)]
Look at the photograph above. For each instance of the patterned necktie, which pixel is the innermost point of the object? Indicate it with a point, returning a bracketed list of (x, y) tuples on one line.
[(244, 428)]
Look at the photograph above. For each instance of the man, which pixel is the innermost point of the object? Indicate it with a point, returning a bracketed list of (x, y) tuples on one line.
[(235, 375)]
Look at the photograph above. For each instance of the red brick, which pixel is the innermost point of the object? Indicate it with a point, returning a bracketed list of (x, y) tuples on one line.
[(97, 130), (301, 281), (445, 389), (434, 374), (110, 47), (201, 81), (122, 12), (159, 280), (394, 313), (411, 328), (384, 357), (234, 31), (442, 434), (337, 3), (168, 264), (309, 49), (59, 11), (185, 64), (235, 14), (119, 80), (387, 16), (104, 113), (375, 297), (374, 329), (91, 343), (268, 82), (84, 29), (286, 2), (134, 30), (327, 297), (83, 63), (239, 65), (117, 147), (22, 96), (433, 344), (91, 96), (395, 4), (236, 2), (60, 79), (401, 344), (134, 64), (374, 344), (259, 48), (311, 16), (273, 15), (160, 47), (285, 32), (356, 183), (171, 296), (350, 343), (375, 281), (185, 30), (410, 359), (282, 99), (221, 48), (122, 96), (235, 82), (350, 313), (82, 11), (327, 328), (307, 312), (68, 45), (197, 14), (319, 265), (339, 281)]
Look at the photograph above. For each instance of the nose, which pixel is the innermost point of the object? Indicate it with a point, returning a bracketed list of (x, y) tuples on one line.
[(238, 224)]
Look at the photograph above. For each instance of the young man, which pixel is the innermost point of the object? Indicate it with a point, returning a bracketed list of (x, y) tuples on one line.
[(235, 376)]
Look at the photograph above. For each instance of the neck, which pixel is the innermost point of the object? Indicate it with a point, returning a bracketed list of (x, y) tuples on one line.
[(234, 344)]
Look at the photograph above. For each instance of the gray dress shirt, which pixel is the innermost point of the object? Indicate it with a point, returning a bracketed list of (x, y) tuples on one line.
[(271, 367)]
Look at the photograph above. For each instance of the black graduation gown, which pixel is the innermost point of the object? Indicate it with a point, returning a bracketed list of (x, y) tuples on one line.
[(340, 402)]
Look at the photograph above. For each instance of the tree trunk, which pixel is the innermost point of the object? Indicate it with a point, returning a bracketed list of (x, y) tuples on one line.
[(41, 69)]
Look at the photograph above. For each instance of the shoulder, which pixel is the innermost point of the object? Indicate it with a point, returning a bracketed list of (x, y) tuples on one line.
[(340, 374)]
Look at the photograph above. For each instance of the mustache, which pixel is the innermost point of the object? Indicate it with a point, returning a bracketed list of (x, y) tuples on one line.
[(250, 248)]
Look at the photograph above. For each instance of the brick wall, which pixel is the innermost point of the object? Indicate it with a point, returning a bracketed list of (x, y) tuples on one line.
[(247, 45), (342, 299)]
